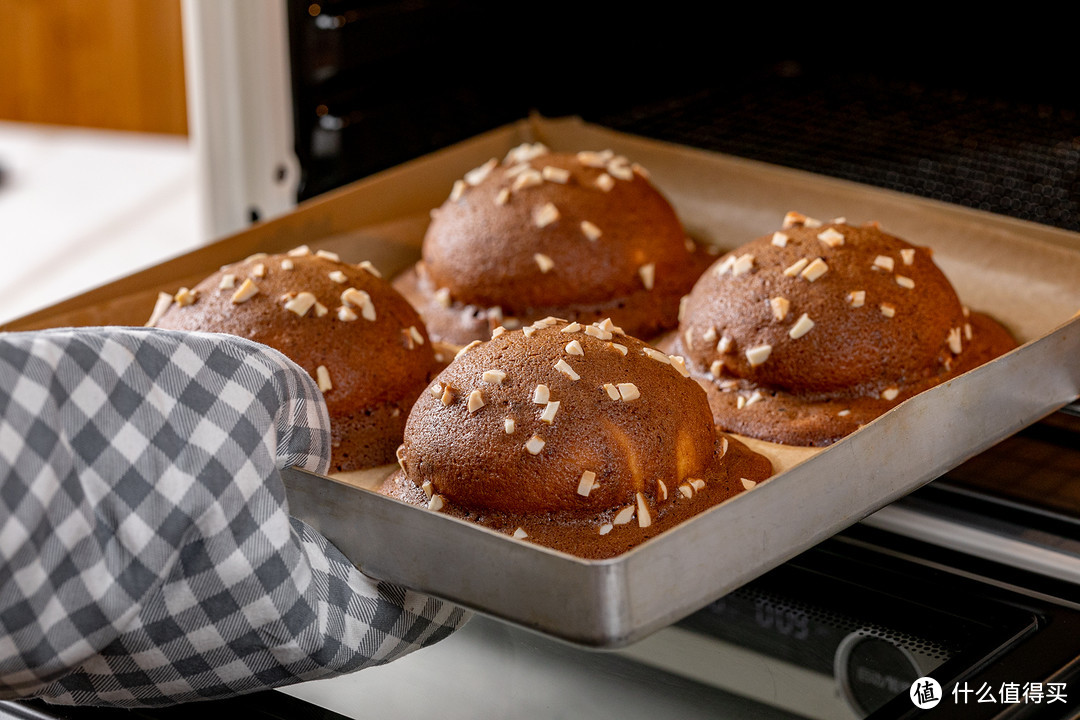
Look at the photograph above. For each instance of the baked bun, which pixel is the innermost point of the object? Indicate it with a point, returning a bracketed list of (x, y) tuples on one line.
[(344, 324), (583, 236), (571, 436), (804, 335)]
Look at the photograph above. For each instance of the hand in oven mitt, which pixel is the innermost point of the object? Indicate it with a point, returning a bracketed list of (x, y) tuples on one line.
[(146, 552)]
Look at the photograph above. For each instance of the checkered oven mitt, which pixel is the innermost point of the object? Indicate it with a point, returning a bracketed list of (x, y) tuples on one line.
[(147, 553)]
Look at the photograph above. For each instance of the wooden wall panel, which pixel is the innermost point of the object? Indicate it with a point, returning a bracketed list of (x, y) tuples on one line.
[(96, 63)]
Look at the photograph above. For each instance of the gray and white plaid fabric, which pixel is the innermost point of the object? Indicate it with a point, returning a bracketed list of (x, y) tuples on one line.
[(146, 552)]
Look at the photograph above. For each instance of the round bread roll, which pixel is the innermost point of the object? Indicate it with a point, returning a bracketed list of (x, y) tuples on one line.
[(363, 342), (584, 236), (806, 334), (572, 436)]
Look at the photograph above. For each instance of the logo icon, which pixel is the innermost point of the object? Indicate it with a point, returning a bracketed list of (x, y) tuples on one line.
[(925, 693)]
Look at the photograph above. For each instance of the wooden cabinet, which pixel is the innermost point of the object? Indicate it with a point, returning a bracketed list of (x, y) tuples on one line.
[(96, 63)]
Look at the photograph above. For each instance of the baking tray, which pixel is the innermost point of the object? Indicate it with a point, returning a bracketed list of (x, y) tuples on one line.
[(1026, 275)]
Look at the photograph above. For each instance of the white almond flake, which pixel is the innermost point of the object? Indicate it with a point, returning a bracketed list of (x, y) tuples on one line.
[(497, 332), (246, 291), (621, 349), (572, 328), (359, 299), (185, 297), (458, 190), (164, 302), (301, 303), (228, 282), (756, 396), (748, 484), (541, 395), (780, 307), (346, 314), (435, 390), (802, 326), (555, 174), (534, 445), (640, 170), (466, 349), (544, 262), (908, 256), (643, 518), (831, 237), (442, 296), (843, 413), (322, 375), (686, 490), (624, 516), (367, 266), (592, 159), (905, 282), (259, 270), (883, 262), (477, 175), (612, 391), (435, 503), (585, 484), (476, 400), (628, 392), (811, 223), (655, 355), (619, 168), (887, 310), (574, 348), (966, 310), (679, 363), (327, 255), (742, 265), (758, 354), (890, 394), (815, 270), (548, 416), (780, 239), (709, 335), (648, 275), (967, 332), (545, 215), (564, 367), (605, 182), (527, 179), (508, 426), (955, 345), (598, 332), (338, 276), (520, 534), (723, 446), (503, 196), (428, 489), (447, 396), (525, 152), (493, 376), (740, 402), (838, 221), (607, 324), (796, 218), (300, 251), (857, 298), (697, 483), (517, 170), (590, 231), (661, 489), (528, 330), (796, 267), (723, 345), (287, 264), (605, 528), (416, 335)]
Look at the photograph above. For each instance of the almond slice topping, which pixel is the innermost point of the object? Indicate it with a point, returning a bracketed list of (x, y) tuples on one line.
[(758, 354), (545, 215), (796, 268), (780, 239), (574, 348), (493, 376), (585, 484), (857, 298), (643, 517), (535, 445), (564, 367), (883, 262), (322, 376), (628, 391), (544, 262), (476, 401), (831, 237), (247, 290), (605, 182), (555, 174), (802, 326), (780, 307), (548, 416), (814, 270), (541, 395), (648, 275)]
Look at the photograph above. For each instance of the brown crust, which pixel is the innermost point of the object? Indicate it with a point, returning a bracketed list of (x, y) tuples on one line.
[(483, 254), (855, 363), (639, 449), (377, 368)]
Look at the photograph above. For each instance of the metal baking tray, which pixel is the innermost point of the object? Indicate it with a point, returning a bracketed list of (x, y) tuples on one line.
[(1026, 275)]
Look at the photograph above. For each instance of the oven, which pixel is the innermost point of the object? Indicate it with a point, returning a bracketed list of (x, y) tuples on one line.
[(972, 582)]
